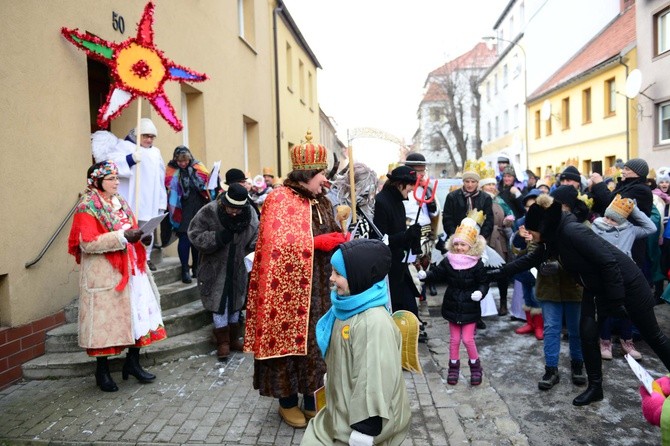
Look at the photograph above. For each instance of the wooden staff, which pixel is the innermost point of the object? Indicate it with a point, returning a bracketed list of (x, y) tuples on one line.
[(352, 184), (137, 167)]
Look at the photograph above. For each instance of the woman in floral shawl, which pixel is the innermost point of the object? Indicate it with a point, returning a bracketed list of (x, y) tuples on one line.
[(186, 182), (118, 302)]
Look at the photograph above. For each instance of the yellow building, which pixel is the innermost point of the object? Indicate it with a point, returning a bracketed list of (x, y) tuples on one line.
[(259, 100), (579, 115)]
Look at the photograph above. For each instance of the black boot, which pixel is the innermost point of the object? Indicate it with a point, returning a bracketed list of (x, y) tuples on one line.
[(578, 376), (132, 367), (185, 276), (102, 377), (592, 361), (550, 378)]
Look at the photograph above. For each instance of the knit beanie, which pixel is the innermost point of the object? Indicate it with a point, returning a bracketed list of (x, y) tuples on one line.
[(639, 166), (484, 181), (566, 195), (363, 262), (570, 173), (619, 209), (470, 176), (337, 260)]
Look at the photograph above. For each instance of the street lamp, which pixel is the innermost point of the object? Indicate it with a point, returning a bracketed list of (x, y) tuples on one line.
[(489, 41)]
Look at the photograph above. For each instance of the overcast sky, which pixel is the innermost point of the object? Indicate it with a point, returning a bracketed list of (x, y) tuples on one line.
[(376, 54)]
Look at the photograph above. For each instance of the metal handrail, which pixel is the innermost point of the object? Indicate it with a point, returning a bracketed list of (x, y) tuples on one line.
[(53, 237)]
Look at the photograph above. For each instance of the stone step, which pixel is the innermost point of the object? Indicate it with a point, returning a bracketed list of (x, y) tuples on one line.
[(182, 319), (68, 365)]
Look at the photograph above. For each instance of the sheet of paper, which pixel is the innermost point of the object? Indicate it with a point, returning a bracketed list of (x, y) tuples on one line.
[(641, 373), (214, 175), (150, 226), (249, 261)]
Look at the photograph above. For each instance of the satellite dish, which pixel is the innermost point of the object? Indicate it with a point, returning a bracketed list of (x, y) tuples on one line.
[(633, 84), (545, 111)]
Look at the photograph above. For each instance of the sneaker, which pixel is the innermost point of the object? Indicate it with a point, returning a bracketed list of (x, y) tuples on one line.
[(481, 325), (550, 378), (629, 348), (605, 349)]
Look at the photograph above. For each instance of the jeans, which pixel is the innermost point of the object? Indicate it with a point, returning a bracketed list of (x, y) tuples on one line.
[(528, 282), (625, 328), (553, 312)]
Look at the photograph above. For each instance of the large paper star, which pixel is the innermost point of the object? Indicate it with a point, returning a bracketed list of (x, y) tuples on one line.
[(138, 69)]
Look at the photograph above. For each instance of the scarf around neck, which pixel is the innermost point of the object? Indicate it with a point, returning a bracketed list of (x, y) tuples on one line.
[(345, 307), (461, 261)]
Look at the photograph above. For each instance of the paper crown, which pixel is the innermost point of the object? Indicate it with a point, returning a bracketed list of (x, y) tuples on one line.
[(621, 206), (467, 231), (309, 156), (480, 168), (477, 216), (268, 171), (586, 200)]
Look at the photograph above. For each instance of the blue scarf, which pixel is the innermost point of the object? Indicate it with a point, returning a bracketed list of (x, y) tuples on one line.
[(345, 307)]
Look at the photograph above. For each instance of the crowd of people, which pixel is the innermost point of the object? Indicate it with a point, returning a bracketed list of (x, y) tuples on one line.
[(309, 290)]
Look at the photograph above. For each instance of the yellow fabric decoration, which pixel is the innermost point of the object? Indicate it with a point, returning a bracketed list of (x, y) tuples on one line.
[(408, 324)]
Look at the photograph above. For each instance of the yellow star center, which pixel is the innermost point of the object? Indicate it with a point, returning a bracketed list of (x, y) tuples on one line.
[(145, 80)]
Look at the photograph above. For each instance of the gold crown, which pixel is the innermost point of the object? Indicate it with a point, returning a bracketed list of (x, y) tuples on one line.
[(477, 216), (468, 230), (622, 206), (480, 168), (309, 156), (585, 199)]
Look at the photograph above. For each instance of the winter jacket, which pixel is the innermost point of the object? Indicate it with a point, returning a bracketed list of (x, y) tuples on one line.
[(635, 188), (215, 264), (597, 265), (623, 235), (455, 210), (457, 305)]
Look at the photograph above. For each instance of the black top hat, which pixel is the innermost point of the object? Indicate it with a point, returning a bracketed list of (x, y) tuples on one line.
[(236, 196), (235, 176)]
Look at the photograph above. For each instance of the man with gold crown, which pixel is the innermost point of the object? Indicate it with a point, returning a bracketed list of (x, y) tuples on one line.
[(288, 285)]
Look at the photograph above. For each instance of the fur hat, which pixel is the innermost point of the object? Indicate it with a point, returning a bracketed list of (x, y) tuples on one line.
[(639, 166), (470, 176), (619, 209), (363, 262), (236, 196), (570, 173), (544, 215), (415, 159), (467, 231), (309, 156), (402, 174)]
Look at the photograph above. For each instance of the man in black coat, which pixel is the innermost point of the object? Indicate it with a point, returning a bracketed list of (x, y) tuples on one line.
[(612, 283), (465, 199)]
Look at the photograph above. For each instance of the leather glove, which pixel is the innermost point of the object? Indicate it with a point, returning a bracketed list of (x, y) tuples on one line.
[(360, 439), (223, 237), (330, 241), (476, 296), (421, 275), (146, 240), (132, 235)]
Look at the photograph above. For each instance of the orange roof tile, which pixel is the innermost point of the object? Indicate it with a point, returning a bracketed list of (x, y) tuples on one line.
[(607, 44)]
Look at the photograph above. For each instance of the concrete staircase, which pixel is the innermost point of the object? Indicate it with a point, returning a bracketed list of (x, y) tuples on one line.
[(187, 323)]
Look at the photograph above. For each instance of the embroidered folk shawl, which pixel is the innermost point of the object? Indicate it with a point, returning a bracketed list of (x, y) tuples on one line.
[(280, 281)]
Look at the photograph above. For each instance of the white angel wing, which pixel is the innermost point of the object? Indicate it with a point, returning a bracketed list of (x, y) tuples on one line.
[(491, 258)]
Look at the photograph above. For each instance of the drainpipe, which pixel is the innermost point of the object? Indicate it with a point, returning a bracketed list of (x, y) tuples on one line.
[(276, 11), (627, 113)]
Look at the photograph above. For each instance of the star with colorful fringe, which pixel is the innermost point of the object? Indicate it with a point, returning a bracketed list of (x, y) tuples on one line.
[(138, 68)]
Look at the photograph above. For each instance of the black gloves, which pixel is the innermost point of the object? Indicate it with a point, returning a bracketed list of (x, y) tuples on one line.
[(146, 240), (413, 238), (495, 274), (432, 206), (132, 235), (223, 236)]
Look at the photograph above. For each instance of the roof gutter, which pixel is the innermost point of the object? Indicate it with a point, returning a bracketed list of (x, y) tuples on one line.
[(627, 112), (277, 10)]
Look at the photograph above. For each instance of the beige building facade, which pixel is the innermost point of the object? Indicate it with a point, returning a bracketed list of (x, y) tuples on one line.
[(243, 115)]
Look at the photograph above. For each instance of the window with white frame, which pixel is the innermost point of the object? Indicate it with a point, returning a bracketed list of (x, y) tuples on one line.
[(662, 31), (664, 123), (515, 116)]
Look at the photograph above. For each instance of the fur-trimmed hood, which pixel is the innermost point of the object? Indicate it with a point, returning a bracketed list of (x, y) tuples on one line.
[(476, 250)]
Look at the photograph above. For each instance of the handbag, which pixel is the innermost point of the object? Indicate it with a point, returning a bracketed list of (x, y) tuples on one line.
[(168, 236)]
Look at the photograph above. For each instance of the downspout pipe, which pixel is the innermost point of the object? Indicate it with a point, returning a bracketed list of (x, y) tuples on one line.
[(627, 113), (275, 13)]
